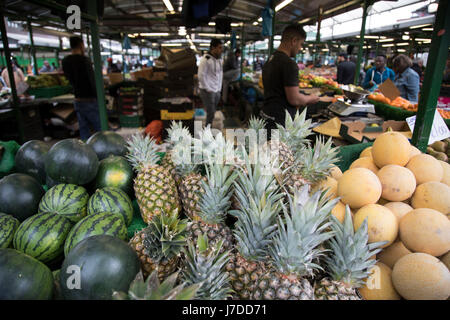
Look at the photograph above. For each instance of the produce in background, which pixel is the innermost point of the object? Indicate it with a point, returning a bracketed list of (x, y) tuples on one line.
[(425, 168), (30, 159), (359, 187), (348, 263), (112, 200), (8, 227), (432, 195), (446, 172), (20, 195), (115, 172), (106, 264), (190, 189), (42, 81), (107, 143), (391, 148), (154, 185), (398, 183), (378, 285), (67, 200), (23, 277), (367, 152)]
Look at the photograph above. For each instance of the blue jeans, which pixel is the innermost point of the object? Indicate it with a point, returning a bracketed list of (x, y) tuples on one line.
[(88, 116), (210, 101)]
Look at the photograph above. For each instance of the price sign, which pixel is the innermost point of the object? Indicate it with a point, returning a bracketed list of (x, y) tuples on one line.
[(439, 130)]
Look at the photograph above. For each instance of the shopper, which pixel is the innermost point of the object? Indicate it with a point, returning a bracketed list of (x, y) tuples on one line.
[(46, 67), (280, 79), (231, 71), (210, 74), (406, 79), (345, 69), (78, 70), (378, 74), (417, 66), (19, 77)]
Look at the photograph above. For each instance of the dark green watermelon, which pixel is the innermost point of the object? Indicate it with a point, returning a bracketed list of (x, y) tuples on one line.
[(115, 171), (96, 224), (42, 236), (107, 143), (23, 277), (71, 161), (8, 226), (57, 289), (107, 264), (30, 159), (112, 200), (50, 182), (68, 200), (20, 195)]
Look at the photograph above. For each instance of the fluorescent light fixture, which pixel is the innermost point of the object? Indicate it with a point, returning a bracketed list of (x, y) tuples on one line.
[(369, 37), (255, 23), (171, 44), (277, 37), (260, 19), (420, 26), (212, 23), (386, 40), (422, 39), (236, 24), (282, 5), (401, 50), (427, 29), (168, 5), (432, 7), (154, 34), (204, 44), (325, 49), (388, 45), (219, 35), (405, 37), (402, 44)]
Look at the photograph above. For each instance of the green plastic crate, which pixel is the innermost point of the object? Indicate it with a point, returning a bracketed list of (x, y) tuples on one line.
[(49, 92), (350, 153), (390, 112), (131, 121)]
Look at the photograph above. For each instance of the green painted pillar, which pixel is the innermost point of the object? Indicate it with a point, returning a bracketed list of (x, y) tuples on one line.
[(366, 5), (273, 29), (242, 51), (433, 76), (88, 44), (98, 67), (33, 49)]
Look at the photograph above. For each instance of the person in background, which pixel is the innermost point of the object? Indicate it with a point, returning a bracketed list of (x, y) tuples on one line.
[(406, 79), (417, 66), (378, 74), (258, 64), (210, 75), (231, 71), (78, 70), (245, 63), (301, 65), (345, 69), (112, 67), (18, 74), (46, 67)]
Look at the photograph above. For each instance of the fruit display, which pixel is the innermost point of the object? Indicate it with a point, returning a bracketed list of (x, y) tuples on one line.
[(115, 172), (8, 227), (398, 102), (42, 81), (107, 143), (440, 150), (112, 200), (312, 81), (30, 159)]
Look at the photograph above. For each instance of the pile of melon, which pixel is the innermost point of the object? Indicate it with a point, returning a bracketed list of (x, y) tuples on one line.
[(405, 195)]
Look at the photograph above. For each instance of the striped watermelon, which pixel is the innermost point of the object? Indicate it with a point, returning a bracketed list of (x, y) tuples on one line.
[(8, 226), (112, 200), (96, 224), (68, 200), (42, 236)]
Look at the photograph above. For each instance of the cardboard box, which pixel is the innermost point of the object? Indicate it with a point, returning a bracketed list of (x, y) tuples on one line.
[(115, 77), (359, 131), (158, 75), (145, 73)]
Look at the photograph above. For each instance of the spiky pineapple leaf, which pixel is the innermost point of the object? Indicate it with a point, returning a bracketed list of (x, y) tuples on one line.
[(142, 151)]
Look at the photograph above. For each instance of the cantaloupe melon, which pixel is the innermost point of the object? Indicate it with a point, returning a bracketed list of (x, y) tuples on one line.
[(425, 230), (335, 172), (420, 276), (391, 148), (425, 168), (381, 222), (330, 184), (367, 152), (391, 254), (399, 209), (365, 162), (446, 260), (446, 172), (339, 211), (378, 285), (433, 195), (397, 183), (414, 152), (358, 187)]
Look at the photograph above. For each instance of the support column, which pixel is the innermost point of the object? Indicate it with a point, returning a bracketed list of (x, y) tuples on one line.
[(242, 51), (88, 43), (33, 49), (366, 5), (273, 29), (433, 77), (319, 24)]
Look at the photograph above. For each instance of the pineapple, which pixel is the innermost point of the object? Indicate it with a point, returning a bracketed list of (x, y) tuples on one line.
[(256, 123), (152, 289), (154, 187), (295, 248), (158, 246), (190, 189), (349, 262), (205, 264)]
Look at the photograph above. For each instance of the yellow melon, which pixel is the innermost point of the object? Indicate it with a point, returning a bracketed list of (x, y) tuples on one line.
[(391, 148), (391, 254), (446, 260), (339, 211), (367, 152), (330, 184), (365, 162), (378, 285), (358, 187), (433, 195), (414, 152), (335, 172), (382, 224), (425, 168), (425, 230), (446, 172), (398, 183), (420, 276), (399, 209)]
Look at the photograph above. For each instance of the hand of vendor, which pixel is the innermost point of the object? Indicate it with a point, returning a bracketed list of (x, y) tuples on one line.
[(313, 99)]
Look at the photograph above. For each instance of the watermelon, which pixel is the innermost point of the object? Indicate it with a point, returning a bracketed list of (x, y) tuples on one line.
[(112, 200), (50, 182), (42, 236), (108, 264), (68, 200), (23, 277), (30, 159), (20, 195), (95, 224), (8, 226), (71, 161), (107, 143), (115, 171)]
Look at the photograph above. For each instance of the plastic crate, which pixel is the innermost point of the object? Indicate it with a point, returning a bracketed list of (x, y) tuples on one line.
[(187, 115), (391, 113), (350, 153), (131, 121), (49, 92)]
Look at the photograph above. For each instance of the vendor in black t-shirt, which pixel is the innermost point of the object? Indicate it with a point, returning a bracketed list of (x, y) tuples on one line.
[(280, 79)]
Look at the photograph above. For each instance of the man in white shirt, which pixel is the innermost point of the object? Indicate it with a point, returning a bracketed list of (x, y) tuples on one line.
[(210, 73)]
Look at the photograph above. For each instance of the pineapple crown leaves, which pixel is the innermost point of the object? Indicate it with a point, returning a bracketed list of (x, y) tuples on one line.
[(295, 131), (205, 264), (349, 260), (215, 200), (256, 123), (304, 229), (165, 236), (176, 132), (142, 151), (212, 149), (152, 289)]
